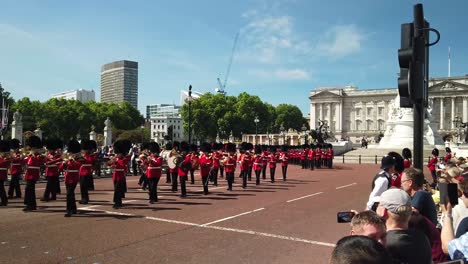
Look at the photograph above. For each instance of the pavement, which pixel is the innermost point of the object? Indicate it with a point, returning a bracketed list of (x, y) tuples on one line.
[(282, 222)]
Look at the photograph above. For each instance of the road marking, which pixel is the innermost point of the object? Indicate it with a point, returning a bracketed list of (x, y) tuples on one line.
[(304, 197), (129, 201), (344, 186), (250, 232), (89, 207), (107, 212), (234, 216)]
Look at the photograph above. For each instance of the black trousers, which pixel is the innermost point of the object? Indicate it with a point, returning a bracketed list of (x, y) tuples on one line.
[(284, 169), (183, 186), (3, 195), (205, 183), (174, 176), (71, 201), (330, 163), (434, 177), (192, 176), (311, 164), (221, 171), (57, 185), (264, 171), (30, 194), (230, 179), (272, 174), (249, 173), (257, 176), (168, 176), (90, 182), (303, 163), (214, 176), (244, 174), (143, 181), (84, 181), (153, 189), (51, 188), (317, 163), (119, 191), (14, 186)]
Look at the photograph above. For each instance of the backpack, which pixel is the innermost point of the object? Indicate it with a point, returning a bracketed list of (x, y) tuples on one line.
[(380, 174)]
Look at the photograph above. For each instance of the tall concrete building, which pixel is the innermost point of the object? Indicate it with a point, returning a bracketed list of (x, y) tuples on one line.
[(119, 82), (79, 95)]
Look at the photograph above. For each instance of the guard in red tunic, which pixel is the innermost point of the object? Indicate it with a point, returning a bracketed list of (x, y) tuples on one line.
[(304, 154), (120, 167), (432, 166), (311, 157), (153, 164), (71, 168), (184, 168), (230, 164), (448, 155), (88, 158), (217, 156), (34, 161), (272, 163), (318, 156), (4, 164), (250, 161), (265, 159), (283, 156), (142, 163), (16, 169), (406, 153), (206, 164), (52, 172), (257, 163), (174, 171)]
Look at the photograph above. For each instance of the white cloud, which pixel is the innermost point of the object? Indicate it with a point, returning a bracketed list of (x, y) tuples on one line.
[(341, 41), (281, 74)]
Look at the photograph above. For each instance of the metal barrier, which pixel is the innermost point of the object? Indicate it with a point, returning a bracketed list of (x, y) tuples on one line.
[(366, 159)]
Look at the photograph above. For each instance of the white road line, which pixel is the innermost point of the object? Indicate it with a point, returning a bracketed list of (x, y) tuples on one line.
[(231, 217), (89, 207), (344, 186), (304, 197), (129, 201), (250, 232)]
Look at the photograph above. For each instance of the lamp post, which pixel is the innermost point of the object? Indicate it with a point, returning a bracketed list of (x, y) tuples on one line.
[(304, 129), (256, 128), (189, 114), (282, 132)]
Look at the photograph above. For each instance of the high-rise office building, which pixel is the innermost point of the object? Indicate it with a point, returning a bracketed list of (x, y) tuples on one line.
[(159, 110), (119, 82), (79, 95)]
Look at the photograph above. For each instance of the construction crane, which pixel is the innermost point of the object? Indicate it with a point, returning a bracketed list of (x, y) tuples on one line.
[(222, 86)]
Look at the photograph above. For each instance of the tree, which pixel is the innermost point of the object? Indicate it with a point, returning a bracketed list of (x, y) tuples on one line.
[(290, 116)]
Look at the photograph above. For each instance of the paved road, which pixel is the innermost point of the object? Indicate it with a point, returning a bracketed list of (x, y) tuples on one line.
[(281, 222)]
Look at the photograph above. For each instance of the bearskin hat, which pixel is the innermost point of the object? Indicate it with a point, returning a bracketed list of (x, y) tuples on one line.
[(312, 146), (4, 146), (153, 147), (399, 163), (122, 146), (184, 146), (74, 146), (284, 148), (435, 152), (448, 150), (168, 146), (231, 147), (34, 142), (330, 146), (53, 143), (86, 144), (258, 149), (193, 148), (205, 147), (15, 143), (406, 153), (176, 144), (249, 146), (144, 146)]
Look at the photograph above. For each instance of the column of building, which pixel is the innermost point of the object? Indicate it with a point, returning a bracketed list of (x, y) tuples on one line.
[(313, 117), (465, 109), (453, 113), (441, 125)]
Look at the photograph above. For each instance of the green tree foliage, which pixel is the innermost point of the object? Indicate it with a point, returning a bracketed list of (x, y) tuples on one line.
[(216, 113), (68, 118), (138, 135)]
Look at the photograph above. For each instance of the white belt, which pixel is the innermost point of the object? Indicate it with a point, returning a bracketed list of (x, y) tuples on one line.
[(118, 169), (51, 166), (256, 163), (34, 167), (72, 171), (15, 164), (3, 169), (154, 168), (229, 164), (86, 165)]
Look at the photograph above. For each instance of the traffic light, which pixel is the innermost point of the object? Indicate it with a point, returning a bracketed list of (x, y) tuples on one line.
[(406, 61)]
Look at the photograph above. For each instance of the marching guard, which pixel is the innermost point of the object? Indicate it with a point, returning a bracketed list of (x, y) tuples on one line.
[(206, 164), (71, 168), (86, 170), (174, 171), (33, 166), (142, 158), (120, 165), (272, 164), (195, 162), (230, 164), (52, 172), (16, 169), (153, 165), (284, 161), (184, 168), (257, 163), (406, 153), (4, 164)]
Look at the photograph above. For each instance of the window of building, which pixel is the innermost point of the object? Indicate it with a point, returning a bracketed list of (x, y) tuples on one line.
[(381, 111), (369, 111), (358, 111)]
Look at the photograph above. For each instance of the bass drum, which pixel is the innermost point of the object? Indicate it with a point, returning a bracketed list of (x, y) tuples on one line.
[(174, 161)]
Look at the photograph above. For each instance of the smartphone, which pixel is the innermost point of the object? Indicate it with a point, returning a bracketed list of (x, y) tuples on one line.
[(344, 217)]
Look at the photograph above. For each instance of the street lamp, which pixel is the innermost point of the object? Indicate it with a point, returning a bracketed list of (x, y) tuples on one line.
[(189, 114), (282, 132), (304, 129), (256, 128)]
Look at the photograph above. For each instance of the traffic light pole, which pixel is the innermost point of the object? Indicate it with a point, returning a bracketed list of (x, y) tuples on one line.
[(419, 83)]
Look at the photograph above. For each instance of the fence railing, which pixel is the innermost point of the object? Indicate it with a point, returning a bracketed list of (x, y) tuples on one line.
[(359, 159)]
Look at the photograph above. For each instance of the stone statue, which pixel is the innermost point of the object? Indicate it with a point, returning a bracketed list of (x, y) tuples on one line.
[(17, 116), (107, 123)]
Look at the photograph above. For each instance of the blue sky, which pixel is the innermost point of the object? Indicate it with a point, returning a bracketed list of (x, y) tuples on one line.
[(286, 48)]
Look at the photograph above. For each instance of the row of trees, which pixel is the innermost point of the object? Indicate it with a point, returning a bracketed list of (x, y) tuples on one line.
[(216, 113)]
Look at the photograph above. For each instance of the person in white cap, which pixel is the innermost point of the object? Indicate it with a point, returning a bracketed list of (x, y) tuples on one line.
[(405, 245)]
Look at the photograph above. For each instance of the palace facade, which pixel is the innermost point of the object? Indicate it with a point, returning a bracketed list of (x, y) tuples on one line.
[(352, 113)]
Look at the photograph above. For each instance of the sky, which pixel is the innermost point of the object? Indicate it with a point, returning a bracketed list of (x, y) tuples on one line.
[(285, 48)]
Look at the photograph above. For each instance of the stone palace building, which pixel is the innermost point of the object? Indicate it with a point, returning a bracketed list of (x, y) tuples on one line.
[(353, 113)]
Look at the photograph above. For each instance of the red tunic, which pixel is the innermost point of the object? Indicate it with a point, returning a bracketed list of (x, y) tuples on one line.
[(87, 164), (17, 163), (184, 164), (205, 165), (33, 163), (230, 164), (120, 169), (153, 164), (272, 161), (257, 165), (447, 157), (4, 164), (72, 172), (284, 159), (216, 157), (246, 162), (53, 165), (396, 180), (407, 163), (432, 163)]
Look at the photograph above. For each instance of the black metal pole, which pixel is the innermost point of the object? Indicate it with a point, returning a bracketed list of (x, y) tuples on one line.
[(190, 115), (420, 69)]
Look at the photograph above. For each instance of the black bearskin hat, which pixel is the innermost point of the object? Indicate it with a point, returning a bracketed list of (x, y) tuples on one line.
[(34, 142), (184, 146), (168, 146), (406, 153), (153, 147), (217, 146), (53, 143), (284, 148), (231, 147), (4, 146), (399, 163), (122, 146), (205, 147), (74, 146), (312, 146), (144, 145), (193, 148), (448, 150), (258, 149), (249, 146), (435, 152), (15, 143), (176, 145), (86, 144)]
